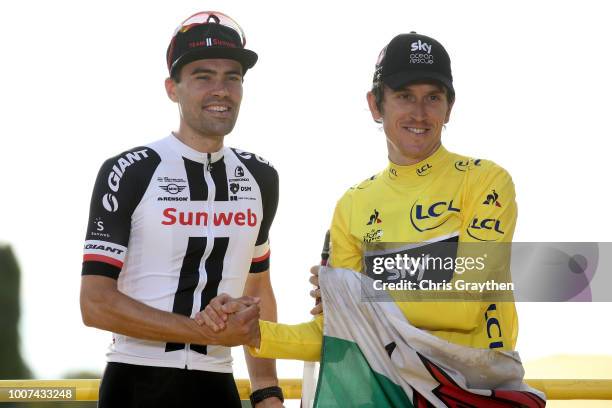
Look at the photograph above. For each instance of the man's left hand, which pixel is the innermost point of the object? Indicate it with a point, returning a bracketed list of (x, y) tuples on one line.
[(316, 293)]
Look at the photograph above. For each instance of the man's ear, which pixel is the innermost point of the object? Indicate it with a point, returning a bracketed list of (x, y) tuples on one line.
[(450, 108), (376, 114), (171, 89)]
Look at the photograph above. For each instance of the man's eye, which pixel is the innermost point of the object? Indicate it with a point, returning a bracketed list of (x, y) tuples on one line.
[(203, 77), (434, 97)]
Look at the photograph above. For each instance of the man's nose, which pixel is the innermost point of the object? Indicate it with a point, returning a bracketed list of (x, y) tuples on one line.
[(418, 111), (220, 89)]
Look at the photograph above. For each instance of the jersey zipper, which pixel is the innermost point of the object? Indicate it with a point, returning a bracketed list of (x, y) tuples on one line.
[(212, 191), (210, 238)]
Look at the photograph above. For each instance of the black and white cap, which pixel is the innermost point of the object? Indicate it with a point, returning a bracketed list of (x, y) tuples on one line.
[(411, 58)]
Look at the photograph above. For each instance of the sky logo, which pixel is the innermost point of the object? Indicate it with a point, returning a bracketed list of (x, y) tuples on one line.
[(420, 46)]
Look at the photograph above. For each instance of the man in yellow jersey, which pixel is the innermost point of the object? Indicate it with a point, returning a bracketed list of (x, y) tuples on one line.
[(426, 194)]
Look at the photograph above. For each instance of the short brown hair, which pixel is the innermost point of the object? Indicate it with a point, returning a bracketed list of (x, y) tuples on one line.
[(378, 89)]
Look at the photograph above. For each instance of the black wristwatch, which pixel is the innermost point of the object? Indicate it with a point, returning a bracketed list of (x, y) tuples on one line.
[(260, 395)]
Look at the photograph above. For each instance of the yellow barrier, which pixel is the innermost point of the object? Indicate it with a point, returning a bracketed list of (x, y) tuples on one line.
[(574, 389), (87, 390)]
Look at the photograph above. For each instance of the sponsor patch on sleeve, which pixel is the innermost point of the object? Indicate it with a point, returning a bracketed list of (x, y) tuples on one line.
[(103, 251)]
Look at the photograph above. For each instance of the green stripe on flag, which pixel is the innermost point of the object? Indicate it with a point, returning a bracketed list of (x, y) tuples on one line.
[(347, 380)]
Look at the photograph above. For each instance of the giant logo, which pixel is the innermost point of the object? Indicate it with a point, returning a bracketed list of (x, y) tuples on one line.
[(104, 248), (110, 202), (114, 177), (479, 227), (421, 217)]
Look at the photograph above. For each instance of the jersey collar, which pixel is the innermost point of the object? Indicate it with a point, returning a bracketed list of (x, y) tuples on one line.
[(192, 154), (418, 173)]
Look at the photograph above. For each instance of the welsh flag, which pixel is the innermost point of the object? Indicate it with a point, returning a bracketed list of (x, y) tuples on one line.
[(373, 357)]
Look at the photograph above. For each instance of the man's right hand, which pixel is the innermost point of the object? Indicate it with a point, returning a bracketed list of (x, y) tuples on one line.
[(234, 320)]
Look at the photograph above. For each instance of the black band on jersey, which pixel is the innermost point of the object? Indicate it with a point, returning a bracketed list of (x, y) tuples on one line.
[(101, 269), (198, 189), (257, 267), (219, 176)]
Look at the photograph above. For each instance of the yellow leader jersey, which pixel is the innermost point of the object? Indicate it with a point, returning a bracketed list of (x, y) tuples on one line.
[(445, 196)]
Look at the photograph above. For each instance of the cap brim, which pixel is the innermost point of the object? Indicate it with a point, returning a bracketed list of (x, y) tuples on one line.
[(401, 79), (246, 58)]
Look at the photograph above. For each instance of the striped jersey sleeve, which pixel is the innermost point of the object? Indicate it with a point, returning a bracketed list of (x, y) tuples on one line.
[(119, 187)]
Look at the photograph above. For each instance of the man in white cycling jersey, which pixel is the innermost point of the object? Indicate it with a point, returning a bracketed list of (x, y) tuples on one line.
[(175, 222)]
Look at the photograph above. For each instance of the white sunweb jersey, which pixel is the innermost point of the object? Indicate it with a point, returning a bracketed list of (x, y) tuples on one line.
[(176, 227)]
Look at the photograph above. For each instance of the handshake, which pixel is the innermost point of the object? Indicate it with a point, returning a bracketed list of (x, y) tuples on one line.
[(235, 321)]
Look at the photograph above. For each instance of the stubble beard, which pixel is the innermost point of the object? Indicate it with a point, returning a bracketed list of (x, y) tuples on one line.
[(215, 128), (212, 128)]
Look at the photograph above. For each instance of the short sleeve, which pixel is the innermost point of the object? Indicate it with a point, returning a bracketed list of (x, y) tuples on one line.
[(491, 209), (119, 187)]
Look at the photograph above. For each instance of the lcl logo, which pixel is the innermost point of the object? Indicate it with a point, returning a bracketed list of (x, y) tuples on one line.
[(463, 165), (478, 227), (494, 331), (424, 170), (420, 213)]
